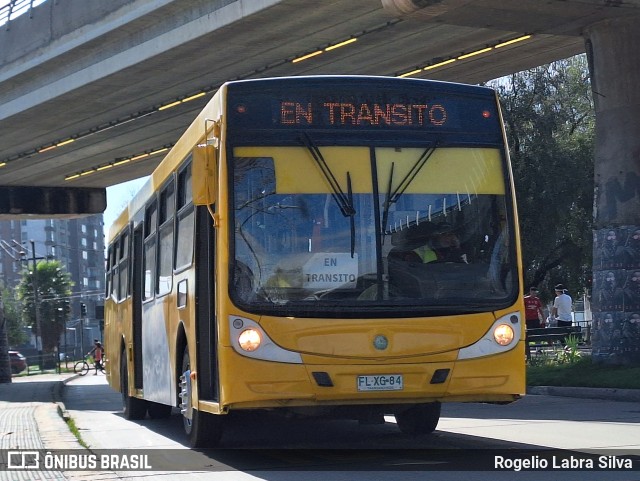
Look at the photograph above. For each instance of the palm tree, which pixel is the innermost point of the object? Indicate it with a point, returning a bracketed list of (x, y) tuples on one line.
[(53, 291)]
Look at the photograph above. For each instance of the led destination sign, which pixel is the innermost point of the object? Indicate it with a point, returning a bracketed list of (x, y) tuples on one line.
[(361, 114), (346, 104)]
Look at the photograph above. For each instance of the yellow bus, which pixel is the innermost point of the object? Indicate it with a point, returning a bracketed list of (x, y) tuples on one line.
[(340, 246)]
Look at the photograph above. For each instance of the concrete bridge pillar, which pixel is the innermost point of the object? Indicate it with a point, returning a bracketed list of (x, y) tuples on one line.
[(614, 60)]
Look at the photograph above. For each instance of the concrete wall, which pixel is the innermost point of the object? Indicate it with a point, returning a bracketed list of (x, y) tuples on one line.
[(51, 21), (71, 43), (612, 46)]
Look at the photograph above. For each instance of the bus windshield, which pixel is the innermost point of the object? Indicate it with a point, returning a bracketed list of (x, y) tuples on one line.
[(355, 230)]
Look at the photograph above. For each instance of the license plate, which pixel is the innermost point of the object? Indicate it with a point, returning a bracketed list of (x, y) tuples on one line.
[(380, 382)]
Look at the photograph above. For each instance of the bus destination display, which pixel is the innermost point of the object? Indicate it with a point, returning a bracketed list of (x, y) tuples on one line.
[(339, 114)]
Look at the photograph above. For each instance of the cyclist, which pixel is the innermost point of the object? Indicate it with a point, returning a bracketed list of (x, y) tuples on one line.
[(98, 354)]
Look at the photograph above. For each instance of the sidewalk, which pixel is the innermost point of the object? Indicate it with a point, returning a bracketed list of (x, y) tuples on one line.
[(629, 395), (30, 419)]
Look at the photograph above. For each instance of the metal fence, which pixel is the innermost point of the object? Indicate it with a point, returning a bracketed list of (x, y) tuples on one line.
[(42, 363), (10, 9)]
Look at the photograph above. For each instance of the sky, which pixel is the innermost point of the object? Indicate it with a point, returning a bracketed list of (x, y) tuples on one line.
[(118, 196)]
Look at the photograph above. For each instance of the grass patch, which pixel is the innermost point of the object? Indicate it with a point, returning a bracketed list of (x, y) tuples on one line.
[(76, 432), (583, 373)]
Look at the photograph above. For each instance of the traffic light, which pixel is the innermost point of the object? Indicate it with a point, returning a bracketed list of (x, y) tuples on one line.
[(83, 309)]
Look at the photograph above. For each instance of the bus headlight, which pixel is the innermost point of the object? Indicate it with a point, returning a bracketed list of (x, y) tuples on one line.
[(503, 334), (249, 340)]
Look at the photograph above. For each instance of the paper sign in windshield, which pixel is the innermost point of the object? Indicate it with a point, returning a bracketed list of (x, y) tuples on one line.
[(329, 270)]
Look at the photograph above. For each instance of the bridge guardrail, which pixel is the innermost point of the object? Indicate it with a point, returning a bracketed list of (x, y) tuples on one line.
[(14, 8)]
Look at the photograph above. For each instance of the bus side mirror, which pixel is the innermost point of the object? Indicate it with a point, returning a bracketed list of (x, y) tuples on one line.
[(204, 175)]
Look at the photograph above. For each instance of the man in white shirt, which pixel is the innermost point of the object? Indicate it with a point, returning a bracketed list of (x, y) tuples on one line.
[(562, 306)]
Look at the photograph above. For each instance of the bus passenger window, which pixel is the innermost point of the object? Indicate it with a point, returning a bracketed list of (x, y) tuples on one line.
[(165, 240), (185, 220), (123, 267), (115, 276), (149, 254)]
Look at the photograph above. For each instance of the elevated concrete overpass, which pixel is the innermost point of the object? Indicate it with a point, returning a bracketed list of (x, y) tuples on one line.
[(92, 92)]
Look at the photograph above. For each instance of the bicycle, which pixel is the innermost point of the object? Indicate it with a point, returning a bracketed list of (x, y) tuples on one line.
[(82, 367)]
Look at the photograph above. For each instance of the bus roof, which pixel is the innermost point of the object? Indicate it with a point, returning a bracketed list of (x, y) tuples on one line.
[(434, 85)]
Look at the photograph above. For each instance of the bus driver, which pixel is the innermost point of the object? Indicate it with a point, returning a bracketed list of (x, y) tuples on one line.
[(438, 243)]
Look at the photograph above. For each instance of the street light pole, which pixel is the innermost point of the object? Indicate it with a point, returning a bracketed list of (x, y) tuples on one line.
[(37, 304), (83, 316)]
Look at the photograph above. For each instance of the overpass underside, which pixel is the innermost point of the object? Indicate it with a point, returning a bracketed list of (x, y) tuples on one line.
[(50, 202), (84, 83), (85, 87)]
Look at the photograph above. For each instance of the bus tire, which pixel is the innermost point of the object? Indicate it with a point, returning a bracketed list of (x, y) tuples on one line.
[(419, 419), (206, 430), (158, 411), (132, 407), (202, 429)]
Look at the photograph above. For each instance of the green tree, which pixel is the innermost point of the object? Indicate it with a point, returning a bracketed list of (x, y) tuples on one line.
[(5, 363), (13, 318), (10, 332), (549, 117), (54, 288)]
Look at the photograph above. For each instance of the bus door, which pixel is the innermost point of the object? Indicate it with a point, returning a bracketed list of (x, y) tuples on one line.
[(206, 320), (137, 307)]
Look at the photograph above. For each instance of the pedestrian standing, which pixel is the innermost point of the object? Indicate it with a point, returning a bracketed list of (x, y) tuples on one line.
[(533, 309), (561, 309)]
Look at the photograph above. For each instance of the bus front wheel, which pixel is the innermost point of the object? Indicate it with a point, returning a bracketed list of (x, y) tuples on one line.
[(419, 419), (132, 407), (202, 429)]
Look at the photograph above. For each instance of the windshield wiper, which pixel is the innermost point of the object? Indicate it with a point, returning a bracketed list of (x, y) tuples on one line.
[(393, 197), (387, 200), (352, 218), (343, 200)]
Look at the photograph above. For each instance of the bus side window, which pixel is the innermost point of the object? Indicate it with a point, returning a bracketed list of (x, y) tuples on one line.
[(184, 220), (109, 267), (165, 239), (149, 253), (123, 267), (114, 271)]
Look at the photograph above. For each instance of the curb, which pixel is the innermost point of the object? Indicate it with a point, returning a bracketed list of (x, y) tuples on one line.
[(57, 396), (612, 394)]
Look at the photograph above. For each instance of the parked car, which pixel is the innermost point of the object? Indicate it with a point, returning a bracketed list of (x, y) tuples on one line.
[(18, 362)]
